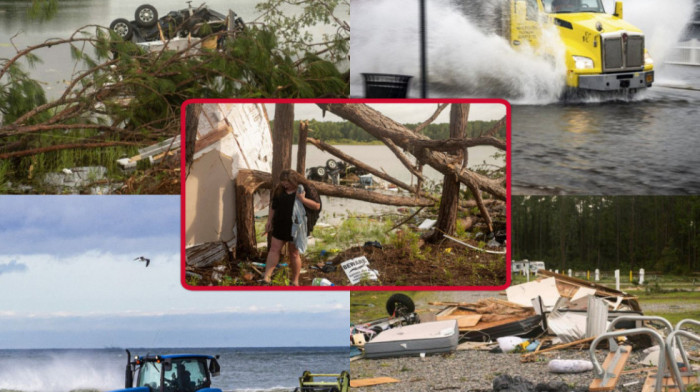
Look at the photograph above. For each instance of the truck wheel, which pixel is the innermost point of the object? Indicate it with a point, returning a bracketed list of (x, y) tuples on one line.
[(400, 305), (123, 28), (146, 15), (320, 171)]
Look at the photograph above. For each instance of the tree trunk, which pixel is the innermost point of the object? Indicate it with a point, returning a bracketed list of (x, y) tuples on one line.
[(247, 183), (192, 113), (449, 202), (301, 147), (282, 136)]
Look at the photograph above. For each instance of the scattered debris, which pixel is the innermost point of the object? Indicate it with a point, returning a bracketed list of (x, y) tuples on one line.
[(569, 366), (368, 382), (432, 337), (357, 269)]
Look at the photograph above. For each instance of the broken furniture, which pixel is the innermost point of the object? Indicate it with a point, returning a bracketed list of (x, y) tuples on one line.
[(605, 379), (606, 376), (428, 338), (688, 376)]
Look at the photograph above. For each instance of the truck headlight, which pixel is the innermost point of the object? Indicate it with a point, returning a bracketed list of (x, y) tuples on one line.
[(583, 62), (647, 59)]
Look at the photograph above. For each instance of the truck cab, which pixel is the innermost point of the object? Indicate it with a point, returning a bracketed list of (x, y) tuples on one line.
[(170, 373), (603, 52)]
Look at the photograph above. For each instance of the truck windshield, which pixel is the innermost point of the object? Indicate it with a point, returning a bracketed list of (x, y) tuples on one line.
[(149, 376), (571, 6), (186, 375)]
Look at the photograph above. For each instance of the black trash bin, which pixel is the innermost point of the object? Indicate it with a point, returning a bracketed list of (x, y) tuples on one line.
[(386, 85)]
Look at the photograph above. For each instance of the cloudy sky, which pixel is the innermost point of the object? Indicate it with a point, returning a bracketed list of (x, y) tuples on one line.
[(401, 112), (68, 279)]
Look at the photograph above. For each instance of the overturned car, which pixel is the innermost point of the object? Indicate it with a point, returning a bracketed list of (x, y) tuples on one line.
[(197, 22)]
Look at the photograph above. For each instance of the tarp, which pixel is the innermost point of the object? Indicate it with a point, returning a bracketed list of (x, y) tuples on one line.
[(230, 137)]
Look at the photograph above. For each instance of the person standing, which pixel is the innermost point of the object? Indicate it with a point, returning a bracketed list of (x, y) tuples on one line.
[(280, 222)]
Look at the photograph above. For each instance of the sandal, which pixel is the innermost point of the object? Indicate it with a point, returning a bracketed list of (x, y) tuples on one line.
[(263, 282)]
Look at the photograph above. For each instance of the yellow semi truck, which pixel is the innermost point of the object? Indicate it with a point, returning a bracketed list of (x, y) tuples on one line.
[(602, 51)]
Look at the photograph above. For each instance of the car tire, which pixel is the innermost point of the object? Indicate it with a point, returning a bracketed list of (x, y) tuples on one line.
[(122, 28), (400, 305), (331, 164), (146, 15)]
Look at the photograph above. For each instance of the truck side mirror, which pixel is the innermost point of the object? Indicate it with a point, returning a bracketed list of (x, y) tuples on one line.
[(618, 9), (214, 368)]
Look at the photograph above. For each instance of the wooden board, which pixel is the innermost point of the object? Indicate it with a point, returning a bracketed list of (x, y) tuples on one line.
[(463, 321), (650, 382), (595, 385), (366, 382)]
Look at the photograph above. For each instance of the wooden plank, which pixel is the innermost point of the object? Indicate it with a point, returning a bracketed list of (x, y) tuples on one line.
[(366, 382), (525, 357), (595, 385), (463, 321)]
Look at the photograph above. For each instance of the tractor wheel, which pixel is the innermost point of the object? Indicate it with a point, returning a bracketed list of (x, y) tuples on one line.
[(146, 15), (123, 28), (400, 305)]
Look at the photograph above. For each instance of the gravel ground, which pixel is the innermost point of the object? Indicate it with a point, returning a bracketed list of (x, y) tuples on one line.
[(474, 370)]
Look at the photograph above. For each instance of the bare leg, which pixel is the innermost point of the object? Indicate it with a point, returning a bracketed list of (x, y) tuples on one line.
[(294, 263), (273, 257)]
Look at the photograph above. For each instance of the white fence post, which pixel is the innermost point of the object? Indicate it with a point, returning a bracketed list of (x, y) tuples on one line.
[(597, 274), (617, 279), (641, 276)]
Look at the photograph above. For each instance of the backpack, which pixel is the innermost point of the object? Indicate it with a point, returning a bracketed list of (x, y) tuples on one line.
[(312, 215)]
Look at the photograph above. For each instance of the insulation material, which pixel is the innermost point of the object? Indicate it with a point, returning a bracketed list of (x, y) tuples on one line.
[(230, 137), (522, 294), (567, 326)]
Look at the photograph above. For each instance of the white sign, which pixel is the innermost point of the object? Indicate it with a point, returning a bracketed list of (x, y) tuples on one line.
[(357, 269)]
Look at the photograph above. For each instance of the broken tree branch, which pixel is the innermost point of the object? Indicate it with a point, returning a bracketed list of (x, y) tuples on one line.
[(381, 126), (432, 118)]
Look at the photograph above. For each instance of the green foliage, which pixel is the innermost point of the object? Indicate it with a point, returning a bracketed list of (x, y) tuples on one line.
[(290, 20), (626, 232), (138, 96), (19, 94)]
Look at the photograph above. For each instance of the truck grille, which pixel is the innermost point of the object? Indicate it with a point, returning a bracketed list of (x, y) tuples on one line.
[(622, 51)]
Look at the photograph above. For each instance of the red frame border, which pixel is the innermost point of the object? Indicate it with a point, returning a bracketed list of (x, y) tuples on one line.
[(344, 288)]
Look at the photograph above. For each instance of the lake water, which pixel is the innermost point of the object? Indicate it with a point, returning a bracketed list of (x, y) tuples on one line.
[(242, 369), (380, 157)]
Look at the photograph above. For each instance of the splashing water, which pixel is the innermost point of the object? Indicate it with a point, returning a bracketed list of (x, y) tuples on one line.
[(61, 372), (464, 58)]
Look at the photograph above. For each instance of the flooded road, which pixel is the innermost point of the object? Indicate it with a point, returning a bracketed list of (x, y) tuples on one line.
[(649, 145)]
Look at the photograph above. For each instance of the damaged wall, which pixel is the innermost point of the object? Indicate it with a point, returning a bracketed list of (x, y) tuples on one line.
[(230, 137)]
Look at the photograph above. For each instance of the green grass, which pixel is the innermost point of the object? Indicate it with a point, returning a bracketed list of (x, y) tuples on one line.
[(371, 305)]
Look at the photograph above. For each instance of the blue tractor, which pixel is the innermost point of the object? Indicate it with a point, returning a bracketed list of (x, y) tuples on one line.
[(170, 373)]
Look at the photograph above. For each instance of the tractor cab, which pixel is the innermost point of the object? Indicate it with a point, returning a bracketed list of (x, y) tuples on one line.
[(170, 373)]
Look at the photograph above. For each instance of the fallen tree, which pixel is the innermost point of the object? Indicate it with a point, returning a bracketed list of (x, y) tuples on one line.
[(383, 127)]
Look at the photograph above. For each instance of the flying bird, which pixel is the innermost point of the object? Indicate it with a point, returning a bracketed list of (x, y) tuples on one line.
[(141, 258)]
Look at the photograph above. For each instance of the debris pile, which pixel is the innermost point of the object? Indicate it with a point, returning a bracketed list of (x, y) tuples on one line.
[(556, 315)]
